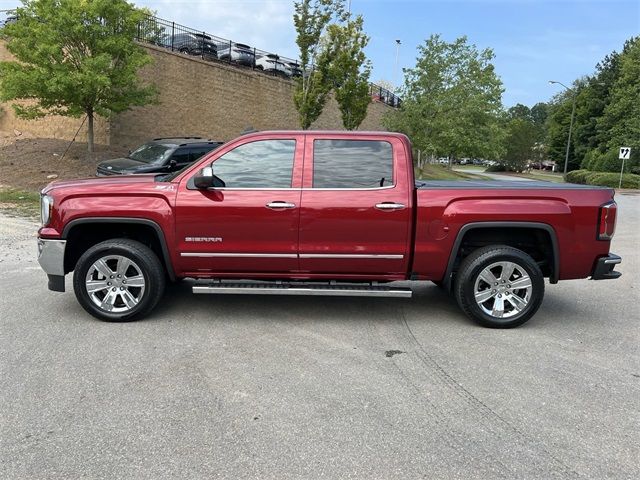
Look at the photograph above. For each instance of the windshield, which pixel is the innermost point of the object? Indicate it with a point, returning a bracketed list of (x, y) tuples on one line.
[(151, 153), (168, 177)]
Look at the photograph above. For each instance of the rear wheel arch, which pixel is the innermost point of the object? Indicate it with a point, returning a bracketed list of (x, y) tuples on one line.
[(82, 234), (504, 233)]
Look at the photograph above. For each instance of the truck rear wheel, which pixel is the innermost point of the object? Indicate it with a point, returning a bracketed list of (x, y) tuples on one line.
[(499, 286), (118, 280)]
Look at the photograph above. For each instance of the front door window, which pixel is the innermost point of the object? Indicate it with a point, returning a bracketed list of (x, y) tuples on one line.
[(261, 164)]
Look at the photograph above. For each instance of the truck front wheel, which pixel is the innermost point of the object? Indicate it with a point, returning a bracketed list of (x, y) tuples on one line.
[(499, 286), (118, 280)]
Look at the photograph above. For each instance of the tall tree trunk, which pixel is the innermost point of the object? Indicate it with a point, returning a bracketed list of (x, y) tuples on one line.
[(90, 131)]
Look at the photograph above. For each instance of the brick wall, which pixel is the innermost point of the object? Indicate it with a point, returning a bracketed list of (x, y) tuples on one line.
[(195, 98), (218, 101)]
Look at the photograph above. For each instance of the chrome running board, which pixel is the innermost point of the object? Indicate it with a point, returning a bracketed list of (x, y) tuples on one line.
[(302, 288)]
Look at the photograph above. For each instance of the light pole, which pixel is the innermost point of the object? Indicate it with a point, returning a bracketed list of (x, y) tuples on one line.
[(573, 112), (398, 43)]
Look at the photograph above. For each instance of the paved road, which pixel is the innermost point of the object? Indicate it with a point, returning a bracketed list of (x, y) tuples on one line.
[(494, 176), (277, 387)]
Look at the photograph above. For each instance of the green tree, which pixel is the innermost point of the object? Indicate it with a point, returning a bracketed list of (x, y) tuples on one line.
[(311, 19), (591, 101), (74, 58), (520, 144), (519, 111), (149, 30), (350, 70), (539, 114), (452, 101), (607, 72), (621, 116), (607, 114), (557, 127)]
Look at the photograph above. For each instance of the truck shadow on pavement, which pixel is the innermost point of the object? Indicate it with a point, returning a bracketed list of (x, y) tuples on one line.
[(179, 301), (429, 304)]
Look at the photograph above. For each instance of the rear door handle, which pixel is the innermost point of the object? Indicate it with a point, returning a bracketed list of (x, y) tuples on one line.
[(279, 204), (389, 206)]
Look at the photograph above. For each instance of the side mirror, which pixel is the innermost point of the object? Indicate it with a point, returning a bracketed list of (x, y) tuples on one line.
[(204, 179)]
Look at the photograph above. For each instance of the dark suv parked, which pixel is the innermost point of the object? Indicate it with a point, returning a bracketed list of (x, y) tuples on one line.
[(161, 155), (191, 43)]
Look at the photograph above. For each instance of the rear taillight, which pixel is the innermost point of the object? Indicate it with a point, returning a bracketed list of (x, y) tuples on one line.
[(607, 221)]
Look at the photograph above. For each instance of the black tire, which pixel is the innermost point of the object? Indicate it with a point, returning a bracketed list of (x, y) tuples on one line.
[(144, 260), (469, 272)]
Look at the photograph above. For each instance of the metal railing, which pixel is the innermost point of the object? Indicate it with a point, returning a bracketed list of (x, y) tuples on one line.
[(385, 96), (189, 41), (182, 39), (9, 16)]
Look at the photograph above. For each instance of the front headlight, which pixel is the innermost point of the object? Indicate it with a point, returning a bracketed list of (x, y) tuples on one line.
[(46, 205)]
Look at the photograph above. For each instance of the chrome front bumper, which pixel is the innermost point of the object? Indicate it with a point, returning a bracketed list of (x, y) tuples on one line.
[(51, 259)]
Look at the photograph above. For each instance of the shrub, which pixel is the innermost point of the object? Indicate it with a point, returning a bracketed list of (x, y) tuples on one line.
[(604, 179), (590, 159), (496, 168), (578, 176), (607, 162), (629, 180)]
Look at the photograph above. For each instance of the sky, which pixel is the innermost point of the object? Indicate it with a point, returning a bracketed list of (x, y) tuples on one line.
[(534, 41)]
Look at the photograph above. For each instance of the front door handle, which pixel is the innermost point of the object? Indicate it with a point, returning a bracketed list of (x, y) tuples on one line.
[(279, 204), (389, 206)]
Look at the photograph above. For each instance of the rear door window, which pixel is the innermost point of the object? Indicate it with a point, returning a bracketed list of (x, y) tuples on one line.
[(339, 164)]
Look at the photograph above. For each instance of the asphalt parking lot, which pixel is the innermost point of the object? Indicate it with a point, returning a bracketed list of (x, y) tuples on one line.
[(294, 387)]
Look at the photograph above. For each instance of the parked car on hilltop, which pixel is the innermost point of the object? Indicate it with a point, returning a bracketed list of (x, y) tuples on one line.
[(237, 53), (293, 69), (12, 17), (191, 44), (161, 155), (271, 63)]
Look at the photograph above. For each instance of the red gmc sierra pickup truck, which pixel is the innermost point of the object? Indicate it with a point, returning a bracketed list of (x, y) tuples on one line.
[(321, 213)]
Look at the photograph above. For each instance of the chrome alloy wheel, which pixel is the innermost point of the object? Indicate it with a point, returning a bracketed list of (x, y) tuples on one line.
[(115, 283), (503, 289)]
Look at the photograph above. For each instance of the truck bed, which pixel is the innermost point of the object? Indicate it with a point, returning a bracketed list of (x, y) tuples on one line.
[(566, 211)]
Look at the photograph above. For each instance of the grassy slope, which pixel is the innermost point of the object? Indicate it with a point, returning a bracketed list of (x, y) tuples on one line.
[(546, 177), (19, 202), (438, 172)]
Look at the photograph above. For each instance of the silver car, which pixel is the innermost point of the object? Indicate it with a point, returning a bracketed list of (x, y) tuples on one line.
[(271, 63), (293, 69), (237, 53)]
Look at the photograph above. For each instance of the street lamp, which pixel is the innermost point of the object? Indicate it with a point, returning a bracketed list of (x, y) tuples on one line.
[(398, 43), (573, 112)]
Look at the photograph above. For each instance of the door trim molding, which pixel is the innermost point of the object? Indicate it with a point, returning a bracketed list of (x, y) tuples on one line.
[(238, 255), (292, 255), (351, 255)]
